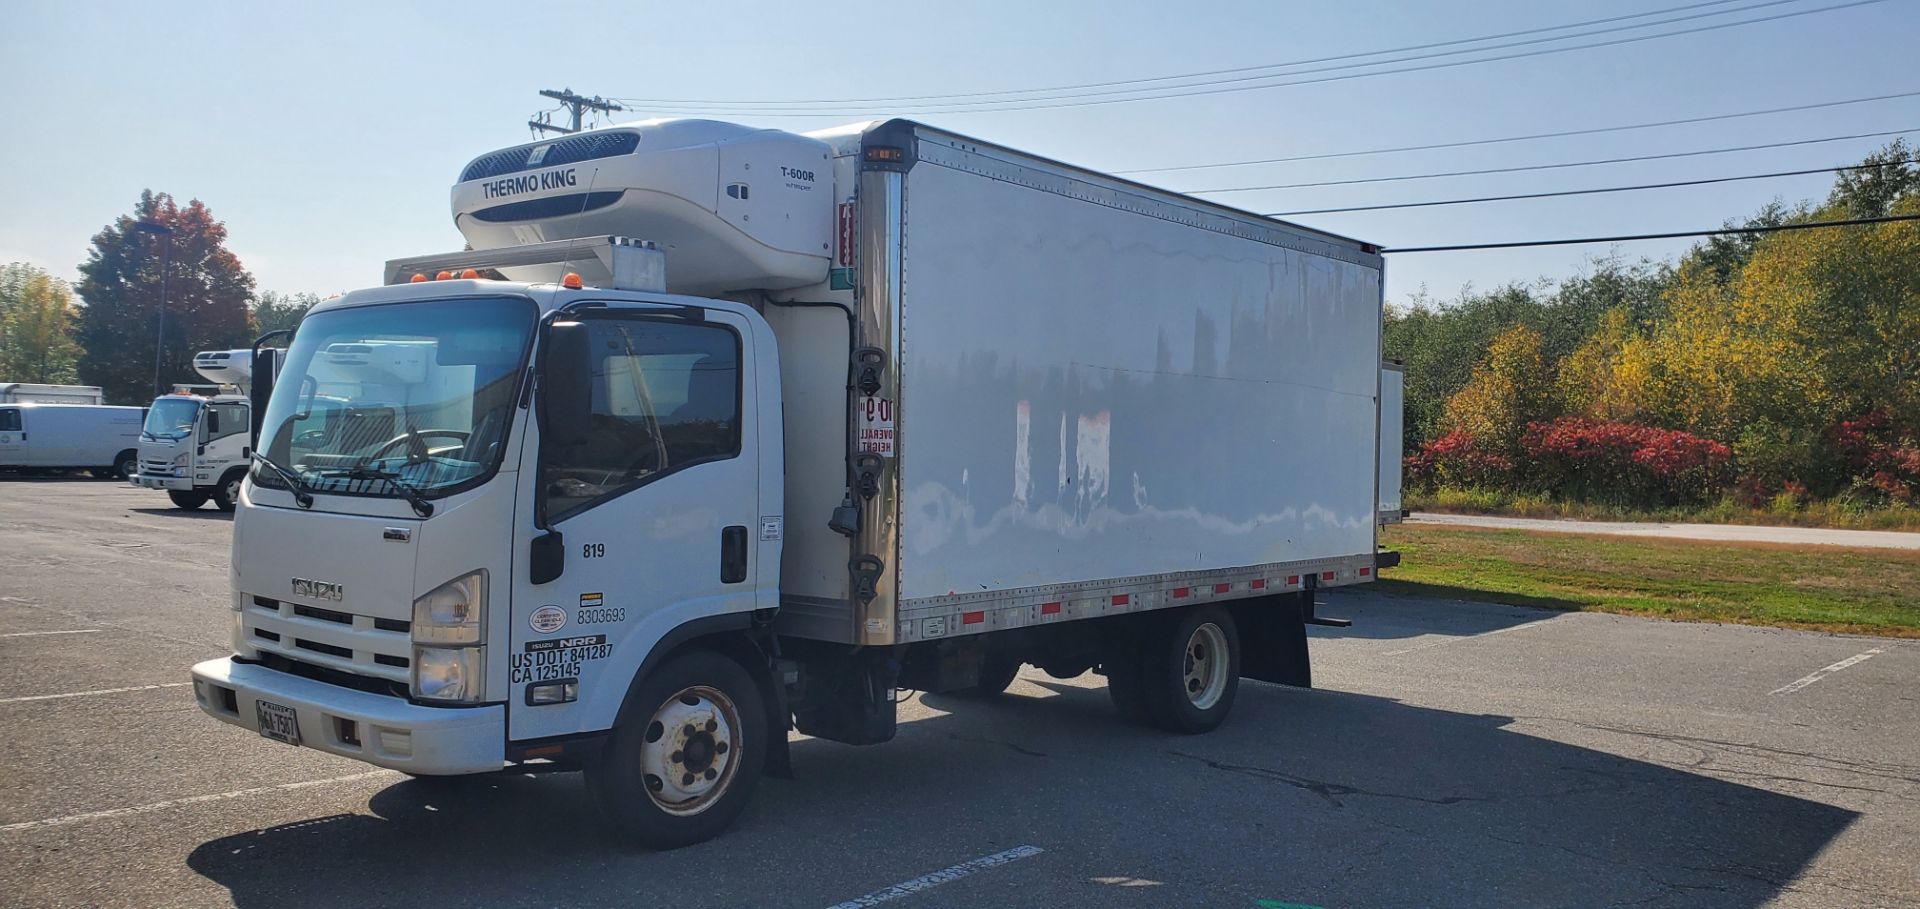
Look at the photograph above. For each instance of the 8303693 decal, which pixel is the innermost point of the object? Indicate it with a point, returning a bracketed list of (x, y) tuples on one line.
[(593, 612)]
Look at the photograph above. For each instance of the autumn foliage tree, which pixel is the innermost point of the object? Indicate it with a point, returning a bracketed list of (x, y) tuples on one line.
[(1510, 388), (206, 290), (36, 329)]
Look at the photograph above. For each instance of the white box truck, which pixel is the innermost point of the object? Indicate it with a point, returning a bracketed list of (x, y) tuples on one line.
[(36, 393), (198, 442), (91, 437), (876, 408)]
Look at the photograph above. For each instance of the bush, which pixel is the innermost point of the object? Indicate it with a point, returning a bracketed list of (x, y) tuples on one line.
[(1457, 459), (1607, 461), (1885, 465)]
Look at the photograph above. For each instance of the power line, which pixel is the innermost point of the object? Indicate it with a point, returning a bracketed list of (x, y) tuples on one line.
[(1078, 89), (1181, 76), (1087, 99), (1589, 192), (1555, 135), (1762, 229), (1563, 164)]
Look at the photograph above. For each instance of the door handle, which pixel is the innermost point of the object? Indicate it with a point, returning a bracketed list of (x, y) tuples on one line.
[(733, 554)]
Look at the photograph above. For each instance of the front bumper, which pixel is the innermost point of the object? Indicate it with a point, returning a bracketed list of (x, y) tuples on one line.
[(391, 732), (152, 481)]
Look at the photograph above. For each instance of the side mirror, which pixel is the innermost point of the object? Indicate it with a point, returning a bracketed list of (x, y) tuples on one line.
[(566, 384)]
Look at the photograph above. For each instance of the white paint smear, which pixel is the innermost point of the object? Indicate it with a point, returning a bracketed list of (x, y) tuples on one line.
[(1819, 674), (927, 881), (83, 694), (35, 634), (189, 800)]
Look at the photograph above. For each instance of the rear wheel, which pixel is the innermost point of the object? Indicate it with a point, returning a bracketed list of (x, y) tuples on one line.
[(227, 493), (1183, 672), (126, 465), (189, 499), (685, 754)]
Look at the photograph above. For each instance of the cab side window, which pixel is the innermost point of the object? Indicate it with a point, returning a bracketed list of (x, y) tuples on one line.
[(666, 396), (225, 419), (10, 420)]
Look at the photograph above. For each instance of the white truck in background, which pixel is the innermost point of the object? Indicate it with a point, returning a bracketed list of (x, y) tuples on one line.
[(91, 437), (36, 393), (649, 503), (197, 441)]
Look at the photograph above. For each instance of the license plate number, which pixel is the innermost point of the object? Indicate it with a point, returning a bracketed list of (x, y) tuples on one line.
[(278, 722)]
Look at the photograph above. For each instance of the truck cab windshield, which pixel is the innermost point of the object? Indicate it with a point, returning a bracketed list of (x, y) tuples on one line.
[(403, 400), (171, 417)]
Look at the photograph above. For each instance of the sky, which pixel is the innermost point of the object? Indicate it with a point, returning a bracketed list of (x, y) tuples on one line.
[(327, 136)]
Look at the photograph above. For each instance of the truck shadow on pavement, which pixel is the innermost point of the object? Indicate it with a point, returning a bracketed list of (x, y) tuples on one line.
[(1317, 797), (1390, 610), (200, 514)]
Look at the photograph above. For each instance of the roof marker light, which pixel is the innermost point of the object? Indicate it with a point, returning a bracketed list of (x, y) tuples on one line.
[(443, 276), (571, 281), (470, 274), (418, 277)]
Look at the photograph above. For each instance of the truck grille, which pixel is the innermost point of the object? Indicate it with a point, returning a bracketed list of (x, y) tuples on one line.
[(338, 642), (157, 468), (559, 151)]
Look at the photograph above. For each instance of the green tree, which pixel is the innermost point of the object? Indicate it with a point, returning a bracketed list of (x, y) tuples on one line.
[(206, 297), (275, 311), (1885, 177), (36, 331), (1510, 388)]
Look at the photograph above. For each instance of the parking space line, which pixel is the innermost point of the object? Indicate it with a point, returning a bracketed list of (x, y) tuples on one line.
[(1454, 639), (32, 634), (82, 694), (927, 881), (189, 800), (1822, 673)]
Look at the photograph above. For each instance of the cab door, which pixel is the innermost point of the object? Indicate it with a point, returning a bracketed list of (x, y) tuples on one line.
[(658, 511), (12, 436)]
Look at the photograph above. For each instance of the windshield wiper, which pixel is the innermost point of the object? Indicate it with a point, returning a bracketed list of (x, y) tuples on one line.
[(411, 493), (300, 494)]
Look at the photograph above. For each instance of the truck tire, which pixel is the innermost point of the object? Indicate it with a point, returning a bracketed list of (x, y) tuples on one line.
[(227, 494), (189, 499), (1183, 672), (685, 754), (126, 465)]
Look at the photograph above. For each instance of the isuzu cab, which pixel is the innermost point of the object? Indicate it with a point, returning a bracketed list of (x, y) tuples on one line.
[(717, 432)]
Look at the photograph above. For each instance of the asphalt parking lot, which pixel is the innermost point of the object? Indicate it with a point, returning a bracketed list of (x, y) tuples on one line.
[(1452, 754)]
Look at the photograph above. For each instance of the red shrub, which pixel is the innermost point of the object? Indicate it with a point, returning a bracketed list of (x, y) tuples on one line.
[(1456, 459), (1878, 456), (1598, 459)]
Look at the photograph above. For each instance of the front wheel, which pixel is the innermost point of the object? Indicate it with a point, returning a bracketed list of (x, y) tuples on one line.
[(685, 754), (188, 499), (227, 493)]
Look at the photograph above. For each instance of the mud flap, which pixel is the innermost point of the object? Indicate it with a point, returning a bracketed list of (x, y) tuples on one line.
[(1273, 638)]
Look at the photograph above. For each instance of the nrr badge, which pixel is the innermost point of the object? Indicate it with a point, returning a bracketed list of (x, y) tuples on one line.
[(547, 619)]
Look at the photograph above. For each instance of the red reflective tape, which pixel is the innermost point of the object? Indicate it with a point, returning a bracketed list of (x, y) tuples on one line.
[(1181, 592), (1222, 588), (1326, 576), (1122, 599), (1258, 583), (1292, 579), (1049, 608), (1365, 571), (972, 618)]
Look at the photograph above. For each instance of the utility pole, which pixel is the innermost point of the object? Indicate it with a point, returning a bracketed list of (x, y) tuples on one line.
[(166, 257), (578, 104)]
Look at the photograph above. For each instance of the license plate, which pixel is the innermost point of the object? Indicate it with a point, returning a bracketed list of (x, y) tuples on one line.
[(278, 722)]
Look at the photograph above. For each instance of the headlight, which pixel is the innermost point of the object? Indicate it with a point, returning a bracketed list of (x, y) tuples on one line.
[(448, 674), (180, 460), (454, 612)]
